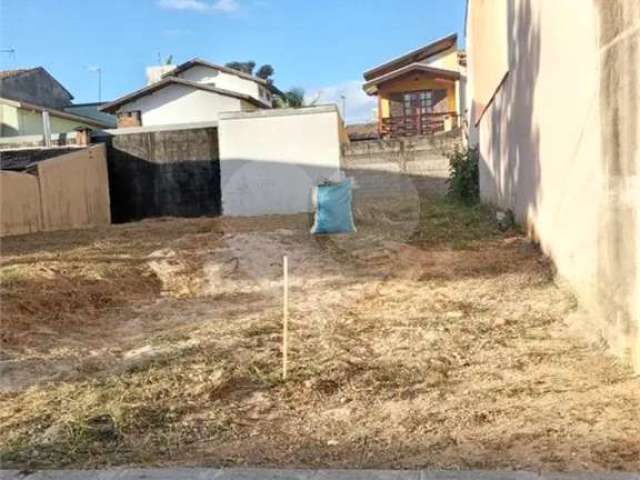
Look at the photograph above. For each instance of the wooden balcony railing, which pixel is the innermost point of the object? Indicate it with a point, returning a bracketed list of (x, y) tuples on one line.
[(413, 125)]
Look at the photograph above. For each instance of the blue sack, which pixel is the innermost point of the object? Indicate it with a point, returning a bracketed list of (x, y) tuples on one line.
[(333, 208)]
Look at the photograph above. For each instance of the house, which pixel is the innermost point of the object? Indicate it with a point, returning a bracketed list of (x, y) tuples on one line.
[(26, 93), (419, 93), (195, 91), (555, 93)]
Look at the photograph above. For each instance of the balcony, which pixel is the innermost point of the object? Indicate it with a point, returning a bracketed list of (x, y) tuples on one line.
[(417, 125)]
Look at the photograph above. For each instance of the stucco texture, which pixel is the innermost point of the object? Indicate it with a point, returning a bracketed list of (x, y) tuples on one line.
[(271, 160), (558, 146)]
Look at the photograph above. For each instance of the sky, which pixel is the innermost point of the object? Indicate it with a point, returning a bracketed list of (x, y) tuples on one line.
[(322, 46)]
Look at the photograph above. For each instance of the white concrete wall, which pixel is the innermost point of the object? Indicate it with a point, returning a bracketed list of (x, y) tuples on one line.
[(270, 160), (558, 146), (176, 104), (226, 81)]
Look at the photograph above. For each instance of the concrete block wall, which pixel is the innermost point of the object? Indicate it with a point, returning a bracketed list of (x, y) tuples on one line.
[(373, 164), (156, 172)]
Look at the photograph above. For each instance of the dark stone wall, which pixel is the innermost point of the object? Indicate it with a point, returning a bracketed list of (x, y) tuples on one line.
[(165, 173)]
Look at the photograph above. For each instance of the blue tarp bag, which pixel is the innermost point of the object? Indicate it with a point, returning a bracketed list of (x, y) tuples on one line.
[(333, 208)]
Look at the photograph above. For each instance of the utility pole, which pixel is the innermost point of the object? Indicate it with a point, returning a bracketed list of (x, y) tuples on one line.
[(344, 107), (98, 70)]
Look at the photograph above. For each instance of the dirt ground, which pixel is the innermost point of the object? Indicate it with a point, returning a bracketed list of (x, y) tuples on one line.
[(427, 339)]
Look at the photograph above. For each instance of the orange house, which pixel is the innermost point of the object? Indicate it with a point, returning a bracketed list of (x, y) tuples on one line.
[(419, 93)]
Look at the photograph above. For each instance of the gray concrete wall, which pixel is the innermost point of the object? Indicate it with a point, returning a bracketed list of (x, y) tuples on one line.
[(163, 172), (559, 146), (373, 163)]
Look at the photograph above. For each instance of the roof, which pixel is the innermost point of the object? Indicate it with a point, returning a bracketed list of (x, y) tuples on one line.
[(92, 110), (203, 63), (14, 73), (370, 87), (7, 74), (113, 106), (413, 56), (55, 112)]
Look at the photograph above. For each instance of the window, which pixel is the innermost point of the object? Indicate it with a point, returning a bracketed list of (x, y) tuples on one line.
[(129, 118), (418, 103)]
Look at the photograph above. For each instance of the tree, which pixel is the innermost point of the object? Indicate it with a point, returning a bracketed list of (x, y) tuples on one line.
[(245, 67), (294, 97), (265, 71)]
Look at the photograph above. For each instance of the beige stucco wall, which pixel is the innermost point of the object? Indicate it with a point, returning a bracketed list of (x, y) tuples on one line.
[(74, 189), (559, 146), (447, 60), (487, 51), (16, 121), (19, 203)]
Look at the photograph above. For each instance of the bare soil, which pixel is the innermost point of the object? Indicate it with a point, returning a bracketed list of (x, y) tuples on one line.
[(423, 340)]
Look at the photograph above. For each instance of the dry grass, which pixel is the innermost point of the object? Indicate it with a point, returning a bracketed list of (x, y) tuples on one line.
[(448, 350)]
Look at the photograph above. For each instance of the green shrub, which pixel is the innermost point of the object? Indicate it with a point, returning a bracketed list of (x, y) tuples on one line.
[(463, 176)]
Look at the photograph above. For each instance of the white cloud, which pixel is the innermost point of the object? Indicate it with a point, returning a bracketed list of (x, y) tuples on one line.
[(201, 6), (226, 6), (359, 106)]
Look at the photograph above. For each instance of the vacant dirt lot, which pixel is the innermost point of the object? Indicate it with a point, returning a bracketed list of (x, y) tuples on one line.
[(427, 339)]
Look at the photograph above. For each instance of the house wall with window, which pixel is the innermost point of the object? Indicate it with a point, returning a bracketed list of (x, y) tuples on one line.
[(176, 104), (394, 90), (17, 121)]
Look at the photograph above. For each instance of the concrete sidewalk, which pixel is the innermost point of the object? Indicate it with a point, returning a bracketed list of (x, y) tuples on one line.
[(268, 474)]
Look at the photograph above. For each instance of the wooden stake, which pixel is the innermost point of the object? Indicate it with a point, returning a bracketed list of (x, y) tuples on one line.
[(285, 317)]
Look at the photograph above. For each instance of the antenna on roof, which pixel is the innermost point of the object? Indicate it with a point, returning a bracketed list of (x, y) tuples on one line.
[(11, 52)]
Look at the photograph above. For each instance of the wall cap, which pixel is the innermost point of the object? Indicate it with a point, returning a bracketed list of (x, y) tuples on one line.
[(280, 112)]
